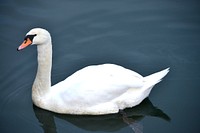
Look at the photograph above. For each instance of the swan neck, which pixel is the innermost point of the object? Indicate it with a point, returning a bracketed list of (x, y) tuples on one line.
[(42, 82)]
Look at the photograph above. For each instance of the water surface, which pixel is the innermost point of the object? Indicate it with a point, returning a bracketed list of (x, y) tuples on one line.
[(145, 36)]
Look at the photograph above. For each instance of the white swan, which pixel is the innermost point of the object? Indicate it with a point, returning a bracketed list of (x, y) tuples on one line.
[(93, 90)]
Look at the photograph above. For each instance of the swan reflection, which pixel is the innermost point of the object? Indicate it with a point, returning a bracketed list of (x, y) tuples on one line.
[(107, 123)]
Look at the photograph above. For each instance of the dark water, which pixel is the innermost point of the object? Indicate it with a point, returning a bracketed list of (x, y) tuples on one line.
[(145, 36)]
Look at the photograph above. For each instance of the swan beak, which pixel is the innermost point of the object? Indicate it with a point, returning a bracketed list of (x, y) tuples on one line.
[(26, 43)]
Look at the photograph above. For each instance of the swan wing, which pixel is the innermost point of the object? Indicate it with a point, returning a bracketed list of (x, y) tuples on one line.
[(97, 84)]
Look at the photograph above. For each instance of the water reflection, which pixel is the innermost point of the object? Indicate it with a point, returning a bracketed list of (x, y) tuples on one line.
[(107, 123)]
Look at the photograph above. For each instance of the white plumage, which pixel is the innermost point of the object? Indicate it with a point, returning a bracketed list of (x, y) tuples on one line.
[(93, 90)]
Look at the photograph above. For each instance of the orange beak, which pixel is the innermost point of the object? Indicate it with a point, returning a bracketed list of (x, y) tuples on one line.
[(26, 43)]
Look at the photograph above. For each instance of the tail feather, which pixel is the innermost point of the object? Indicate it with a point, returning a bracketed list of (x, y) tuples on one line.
[(155, 78)]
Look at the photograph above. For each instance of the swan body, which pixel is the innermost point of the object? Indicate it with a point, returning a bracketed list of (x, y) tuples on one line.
[(93, 90)]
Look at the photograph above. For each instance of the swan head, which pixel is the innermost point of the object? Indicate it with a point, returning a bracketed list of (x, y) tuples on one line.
[(36, 36)]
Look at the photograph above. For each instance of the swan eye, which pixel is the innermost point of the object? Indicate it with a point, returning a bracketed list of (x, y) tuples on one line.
[(30, 37)]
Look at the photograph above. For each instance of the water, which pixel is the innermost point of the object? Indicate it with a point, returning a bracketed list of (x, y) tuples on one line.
[(145, 36)]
